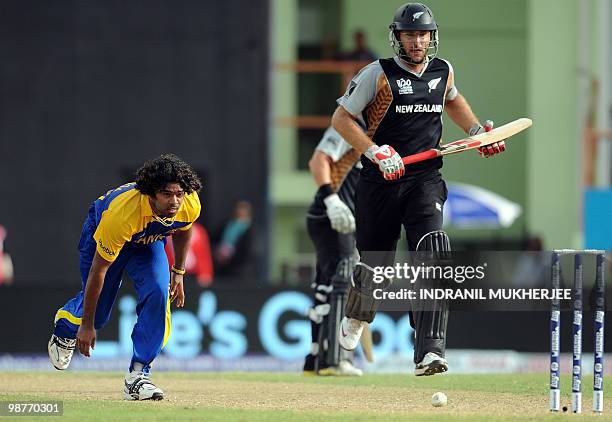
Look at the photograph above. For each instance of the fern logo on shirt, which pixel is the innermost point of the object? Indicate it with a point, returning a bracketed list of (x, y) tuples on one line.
[(433, 84)]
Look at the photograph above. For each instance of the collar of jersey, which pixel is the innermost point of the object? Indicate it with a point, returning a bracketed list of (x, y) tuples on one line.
[(401, 64)]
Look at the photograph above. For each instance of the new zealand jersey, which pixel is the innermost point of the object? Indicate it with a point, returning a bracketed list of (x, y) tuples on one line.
[(124, 218), (401, 109)]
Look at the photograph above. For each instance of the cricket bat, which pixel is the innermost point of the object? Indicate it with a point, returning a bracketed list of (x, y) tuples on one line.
[(366, 343), (473, 142)]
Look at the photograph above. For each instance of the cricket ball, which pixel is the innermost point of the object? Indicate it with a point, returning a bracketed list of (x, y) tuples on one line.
[(439, 399)]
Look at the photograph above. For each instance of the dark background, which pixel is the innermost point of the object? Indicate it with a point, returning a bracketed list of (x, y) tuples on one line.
[(91, 89)]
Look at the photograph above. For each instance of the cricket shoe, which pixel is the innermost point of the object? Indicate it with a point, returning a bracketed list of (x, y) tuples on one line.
[(344, 369), (349, 332), (309, 365), (61, 351), (430, 365), (138, 386)]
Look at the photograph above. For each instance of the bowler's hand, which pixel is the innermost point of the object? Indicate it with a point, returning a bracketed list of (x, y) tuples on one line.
[(86, 338), (176, 290)]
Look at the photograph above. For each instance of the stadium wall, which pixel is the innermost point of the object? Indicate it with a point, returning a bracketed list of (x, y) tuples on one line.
[(90, 89)]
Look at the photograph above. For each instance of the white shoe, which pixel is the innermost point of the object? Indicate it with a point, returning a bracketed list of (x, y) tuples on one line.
[(344, 369), (138, 386), (430, 365), (61, 351), (350, 332)]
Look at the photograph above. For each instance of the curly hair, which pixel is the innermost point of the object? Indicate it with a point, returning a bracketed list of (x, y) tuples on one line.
[(155, 174)]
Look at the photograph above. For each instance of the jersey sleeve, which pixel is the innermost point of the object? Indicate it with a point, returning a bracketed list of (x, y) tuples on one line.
[(111, 234), (192, 208), (451, 89), (361, 90), (333, 145)]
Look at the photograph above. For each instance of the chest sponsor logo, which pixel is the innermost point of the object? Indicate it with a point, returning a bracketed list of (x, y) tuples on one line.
[(433, 84), (418, 108), (146, 240), (405, 86)]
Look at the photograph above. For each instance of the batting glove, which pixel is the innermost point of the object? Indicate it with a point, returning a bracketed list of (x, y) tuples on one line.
[(489, 150), (388, 160), (340, 216)]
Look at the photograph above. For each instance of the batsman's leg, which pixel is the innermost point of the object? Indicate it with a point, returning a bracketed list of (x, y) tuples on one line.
[(340, 283), (361, 306), (336, 256), (339, 360), (431, 318), (378, 225), (318, 315), (422, 220), (326, 243)]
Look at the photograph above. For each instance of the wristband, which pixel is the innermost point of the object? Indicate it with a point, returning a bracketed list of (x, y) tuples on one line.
[(326, 190), (476, 129), (177, 270), (371, 152)]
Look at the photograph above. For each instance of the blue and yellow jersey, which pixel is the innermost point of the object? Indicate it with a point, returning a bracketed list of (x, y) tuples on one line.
[(124, 218)]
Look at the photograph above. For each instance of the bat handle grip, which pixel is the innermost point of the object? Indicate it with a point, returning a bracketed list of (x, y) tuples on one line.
[(421, 156)]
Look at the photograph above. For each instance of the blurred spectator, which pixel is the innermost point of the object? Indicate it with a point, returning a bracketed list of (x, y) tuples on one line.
[(199, 258), (330, 49), (233, 253), (6, 264), (533, 243), (362, 52)]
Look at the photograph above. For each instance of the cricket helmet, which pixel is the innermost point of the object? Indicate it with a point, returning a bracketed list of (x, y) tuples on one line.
[(413, 17)]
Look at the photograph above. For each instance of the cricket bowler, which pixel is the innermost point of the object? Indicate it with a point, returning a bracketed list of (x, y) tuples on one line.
[(125, 231)]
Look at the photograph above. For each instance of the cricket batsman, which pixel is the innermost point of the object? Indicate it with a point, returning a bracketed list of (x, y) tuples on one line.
[(401, 99), (331, 225)]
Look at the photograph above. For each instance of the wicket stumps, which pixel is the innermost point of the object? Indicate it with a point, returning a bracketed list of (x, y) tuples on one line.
[(600, 312), (577, 309)]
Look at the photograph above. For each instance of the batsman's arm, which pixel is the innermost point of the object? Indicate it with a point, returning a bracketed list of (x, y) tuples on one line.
[(320, 168), (86, 336), (350, 130), (180, 241), (461, 113), (340, 216)]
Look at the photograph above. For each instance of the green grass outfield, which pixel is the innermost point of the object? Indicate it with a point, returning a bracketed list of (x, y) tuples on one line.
[(280, 396)]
